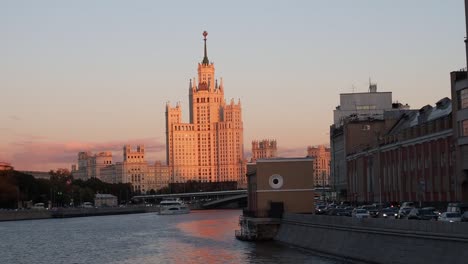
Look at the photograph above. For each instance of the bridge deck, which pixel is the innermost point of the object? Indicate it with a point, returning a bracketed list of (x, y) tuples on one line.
[(195, 194)]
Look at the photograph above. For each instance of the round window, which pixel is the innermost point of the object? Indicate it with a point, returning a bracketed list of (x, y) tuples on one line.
[(276, 181)]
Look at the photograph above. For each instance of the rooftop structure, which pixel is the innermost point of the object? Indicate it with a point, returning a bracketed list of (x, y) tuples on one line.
[(371, 104), (264, 149)]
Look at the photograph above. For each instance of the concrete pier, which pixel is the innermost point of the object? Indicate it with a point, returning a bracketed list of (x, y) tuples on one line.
[(257, 229), (72, 212), (24, 215), (377, 240)]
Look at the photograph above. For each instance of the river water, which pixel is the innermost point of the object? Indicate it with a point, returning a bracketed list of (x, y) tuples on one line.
[(199, 237)]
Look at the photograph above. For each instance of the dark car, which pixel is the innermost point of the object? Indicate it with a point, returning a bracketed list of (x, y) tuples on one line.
[(373, 210), (426, 213), (321, 209), (348, 211), (337, 212), (389, 212), (464, 217), (403, 212), (457, 208)]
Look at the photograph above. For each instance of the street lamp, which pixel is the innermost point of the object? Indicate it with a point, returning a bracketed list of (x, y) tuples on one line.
[(17, 197)]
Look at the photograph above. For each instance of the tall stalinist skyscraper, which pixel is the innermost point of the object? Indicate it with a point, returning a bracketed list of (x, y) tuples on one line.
[(210, 147)]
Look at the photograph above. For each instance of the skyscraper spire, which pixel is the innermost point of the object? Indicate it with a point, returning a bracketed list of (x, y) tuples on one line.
[(205, 58)]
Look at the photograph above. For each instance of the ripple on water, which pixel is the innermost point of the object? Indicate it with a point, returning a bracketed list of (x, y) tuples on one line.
[(199, 237)]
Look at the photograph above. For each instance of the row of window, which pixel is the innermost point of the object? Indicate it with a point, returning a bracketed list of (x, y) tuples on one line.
[(135, 157), (366, 107), (207, 100), (464, 128), (463, 99)]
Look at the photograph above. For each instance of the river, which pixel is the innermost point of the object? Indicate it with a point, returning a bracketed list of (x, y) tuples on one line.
[(199, 237)]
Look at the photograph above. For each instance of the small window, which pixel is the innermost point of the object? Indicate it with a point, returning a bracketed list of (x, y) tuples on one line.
[(463, 98), (464, 128), (365, 127)]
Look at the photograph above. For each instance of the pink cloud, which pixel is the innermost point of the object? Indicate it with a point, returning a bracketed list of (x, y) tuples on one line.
[(34, 154)]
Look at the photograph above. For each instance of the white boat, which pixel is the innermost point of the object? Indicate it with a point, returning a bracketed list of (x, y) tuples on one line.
[(173, 206)]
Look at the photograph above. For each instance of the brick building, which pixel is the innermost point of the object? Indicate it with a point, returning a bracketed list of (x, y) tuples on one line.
[(412, 161)]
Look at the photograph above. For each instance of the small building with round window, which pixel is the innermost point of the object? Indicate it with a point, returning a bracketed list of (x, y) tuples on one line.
[(280, 185)]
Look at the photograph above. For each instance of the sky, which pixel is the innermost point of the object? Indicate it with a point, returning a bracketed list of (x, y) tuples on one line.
[(96, 75)]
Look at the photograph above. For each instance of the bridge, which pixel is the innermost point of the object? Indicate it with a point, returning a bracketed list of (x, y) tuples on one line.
[(216, 199), (227, 202)]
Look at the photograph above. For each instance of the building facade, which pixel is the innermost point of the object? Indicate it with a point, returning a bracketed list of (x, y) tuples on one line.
[(264, 149), (371, 104), (105, 200), (321, 155), (210, 147), (356, 109), (423, 157), (90, 166), (162, 175), (134, 169), (285, 184), (412, 161), (459, 90)]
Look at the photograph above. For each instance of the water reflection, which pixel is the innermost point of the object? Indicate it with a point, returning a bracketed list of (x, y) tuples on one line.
[(199, 237)]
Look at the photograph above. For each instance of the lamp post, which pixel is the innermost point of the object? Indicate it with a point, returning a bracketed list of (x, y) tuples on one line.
[(17, 197), (380, 189), (422, 187), (377, 137)]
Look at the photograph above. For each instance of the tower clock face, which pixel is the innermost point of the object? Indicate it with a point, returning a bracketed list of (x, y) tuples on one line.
[(276, 181)]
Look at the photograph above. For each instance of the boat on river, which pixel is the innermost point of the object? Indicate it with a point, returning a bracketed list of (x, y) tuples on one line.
[(173, 206)]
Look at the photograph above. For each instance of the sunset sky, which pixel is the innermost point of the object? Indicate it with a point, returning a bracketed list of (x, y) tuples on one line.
[(95, 75)]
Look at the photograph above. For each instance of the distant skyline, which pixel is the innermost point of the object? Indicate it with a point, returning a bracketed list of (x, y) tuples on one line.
[(94, 76)]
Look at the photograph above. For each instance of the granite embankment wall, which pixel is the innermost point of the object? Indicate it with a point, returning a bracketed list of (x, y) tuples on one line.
[(377, 240), (72, 212), (24, 215)]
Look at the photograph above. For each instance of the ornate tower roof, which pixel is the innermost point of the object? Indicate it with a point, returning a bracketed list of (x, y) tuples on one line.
[(205, 58)]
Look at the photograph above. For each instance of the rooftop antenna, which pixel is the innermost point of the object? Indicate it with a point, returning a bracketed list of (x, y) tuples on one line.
[(370, 84)]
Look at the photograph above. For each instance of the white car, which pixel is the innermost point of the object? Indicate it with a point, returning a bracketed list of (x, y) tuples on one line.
[(450, 217), (38, 206), (360, 213)]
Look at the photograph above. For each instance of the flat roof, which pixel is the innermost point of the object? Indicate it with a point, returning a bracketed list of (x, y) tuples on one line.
[(365, 93), (285, 159)]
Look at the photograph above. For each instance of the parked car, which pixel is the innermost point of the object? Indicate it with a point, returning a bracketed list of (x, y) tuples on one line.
[(426, 213), (345, 204), (87, 205), (450, 217), (38, 206), (457, 208), (320, 209), (360, 213), (380, 206), (348, 211), (403, 212), (373, 210), (464, 217), (389, 212), (338, 212)]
